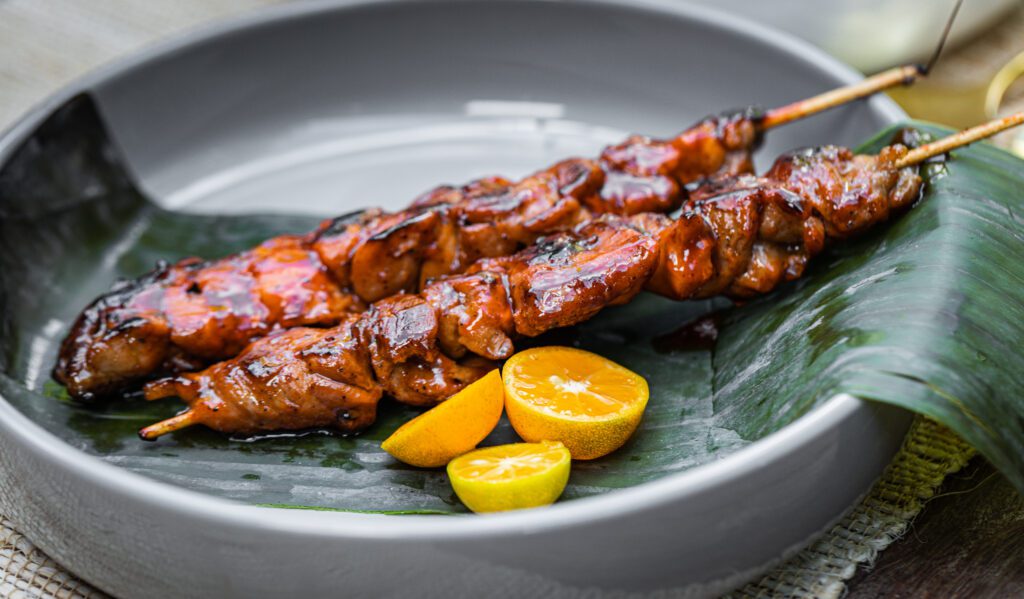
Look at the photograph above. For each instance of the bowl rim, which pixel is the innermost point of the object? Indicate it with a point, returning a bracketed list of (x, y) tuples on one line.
[(200, 506)]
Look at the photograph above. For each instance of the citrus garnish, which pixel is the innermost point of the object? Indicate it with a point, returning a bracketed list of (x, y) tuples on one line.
[(511, 477), (587, 402), (451, 428)]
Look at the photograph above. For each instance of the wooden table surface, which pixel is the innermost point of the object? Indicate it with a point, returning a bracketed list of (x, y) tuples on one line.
[(968, 542)]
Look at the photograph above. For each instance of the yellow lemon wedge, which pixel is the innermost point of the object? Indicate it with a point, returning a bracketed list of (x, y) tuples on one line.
[(451, 428), (511, 477), (589, 403)]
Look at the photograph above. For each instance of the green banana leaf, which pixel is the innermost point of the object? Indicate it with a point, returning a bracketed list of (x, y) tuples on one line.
[(925, 313)]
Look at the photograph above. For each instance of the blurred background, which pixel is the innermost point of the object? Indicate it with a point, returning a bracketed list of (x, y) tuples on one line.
[(46, 43)]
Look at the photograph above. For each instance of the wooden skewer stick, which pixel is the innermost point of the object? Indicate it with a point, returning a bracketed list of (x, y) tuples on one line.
[(904, 75), (963, 138), (183, 420)]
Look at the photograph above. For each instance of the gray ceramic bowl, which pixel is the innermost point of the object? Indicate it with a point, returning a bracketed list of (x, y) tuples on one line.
[(324, 100)]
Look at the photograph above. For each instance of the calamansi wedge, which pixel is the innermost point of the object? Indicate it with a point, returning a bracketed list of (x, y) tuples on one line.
[(451, 428), (511, 477), (589, 403)]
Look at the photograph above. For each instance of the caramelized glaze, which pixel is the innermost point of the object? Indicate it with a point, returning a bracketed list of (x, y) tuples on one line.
[(182, 316), (745, 239)]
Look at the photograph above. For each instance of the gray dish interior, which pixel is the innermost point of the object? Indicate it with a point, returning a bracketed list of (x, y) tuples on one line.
[(374, 104), (321, 111)]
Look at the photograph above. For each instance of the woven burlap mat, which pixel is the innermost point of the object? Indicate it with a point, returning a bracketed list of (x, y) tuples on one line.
[(46, 43)]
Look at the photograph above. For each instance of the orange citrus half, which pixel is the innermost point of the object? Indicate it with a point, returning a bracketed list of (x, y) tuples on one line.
[(510, 477), (451, 428), (589, 403)]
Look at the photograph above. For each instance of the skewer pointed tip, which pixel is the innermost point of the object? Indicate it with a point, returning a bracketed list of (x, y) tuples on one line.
[(154, 431)]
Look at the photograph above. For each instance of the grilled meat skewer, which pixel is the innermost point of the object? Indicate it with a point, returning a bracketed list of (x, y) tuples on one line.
[(184, 316), (740, 237), (418, 348)]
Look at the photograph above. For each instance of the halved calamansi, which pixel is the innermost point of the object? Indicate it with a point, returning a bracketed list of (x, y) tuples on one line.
[(589, 403), (510, 477), (451, 428)]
